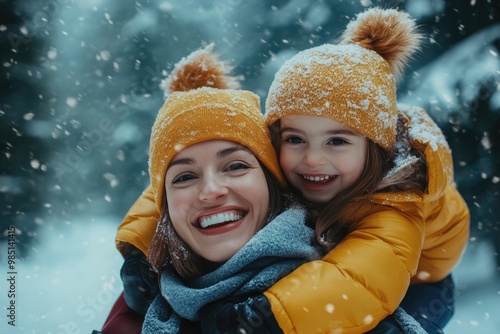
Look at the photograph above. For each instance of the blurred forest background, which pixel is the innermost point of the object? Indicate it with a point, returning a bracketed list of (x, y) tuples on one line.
[(80, 90)]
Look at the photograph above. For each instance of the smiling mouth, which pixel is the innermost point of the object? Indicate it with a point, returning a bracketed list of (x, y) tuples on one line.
[(318, 178), (220, 219)]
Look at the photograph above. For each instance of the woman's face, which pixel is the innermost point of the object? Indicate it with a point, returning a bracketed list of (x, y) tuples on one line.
[(320, 157), (217, 197)]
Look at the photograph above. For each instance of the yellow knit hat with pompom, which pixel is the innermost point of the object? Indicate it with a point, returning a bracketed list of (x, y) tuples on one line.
[(201, 113), (352, 82)]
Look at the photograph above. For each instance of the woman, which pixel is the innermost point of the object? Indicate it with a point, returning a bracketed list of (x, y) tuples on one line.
[(225, 229)]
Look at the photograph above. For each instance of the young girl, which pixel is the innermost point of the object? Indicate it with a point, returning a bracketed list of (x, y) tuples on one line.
[(378, 178)]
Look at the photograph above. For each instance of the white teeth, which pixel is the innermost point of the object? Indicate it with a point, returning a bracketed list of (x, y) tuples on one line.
[(219, 218), (316, 178)]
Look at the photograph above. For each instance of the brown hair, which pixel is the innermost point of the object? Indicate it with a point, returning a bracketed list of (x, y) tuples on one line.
[(335, 219), (168, 250)]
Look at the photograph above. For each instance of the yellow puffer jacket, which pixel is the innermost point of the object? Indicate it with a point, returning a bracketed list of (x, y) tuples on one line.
[(139, 225), (402, 239)]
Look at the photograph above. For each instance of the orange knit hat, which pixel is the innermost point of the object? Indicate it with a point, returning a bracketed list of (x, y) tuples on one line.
[(202, 113), (352, 82)]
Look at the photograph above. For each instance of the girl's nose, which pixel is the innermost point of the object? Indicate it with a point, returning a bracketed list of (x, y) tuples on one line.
[(212, 189), (313, 158)]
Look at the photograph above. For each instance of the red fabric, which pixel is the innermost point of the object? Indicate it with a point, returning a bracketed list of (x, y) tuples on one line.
[(122, 319)]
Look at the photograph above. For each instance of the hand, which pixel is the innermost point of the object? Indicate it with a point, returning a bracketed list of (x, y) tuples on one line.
[(189, 327), (387, 326), (253, 315), (140, 282)]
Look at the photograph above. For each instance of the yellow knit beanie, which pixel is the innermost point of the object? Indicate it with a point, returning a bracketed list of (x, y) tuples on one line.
[(203, 113), (352, 82)]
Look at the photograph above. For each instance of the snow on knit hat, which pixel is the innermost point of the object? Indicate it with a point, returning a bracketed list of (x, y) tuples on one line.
[(201, 106), (352, 82)]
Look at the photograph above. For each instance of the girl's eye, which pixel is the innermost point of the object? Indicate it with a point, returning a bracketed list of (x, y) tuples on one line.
[(237, 166), (183, 178), (294, 140), (337, 141)]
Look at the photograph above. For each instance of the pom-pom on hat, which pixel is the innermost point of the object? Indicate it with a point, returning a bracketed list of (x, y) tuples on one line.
[(352, 82), (206, 109)]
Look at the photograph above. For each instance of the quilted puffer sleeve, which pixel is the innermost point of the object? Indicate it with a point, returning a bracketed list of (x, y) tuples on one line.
[(356, 284), (139, 224)]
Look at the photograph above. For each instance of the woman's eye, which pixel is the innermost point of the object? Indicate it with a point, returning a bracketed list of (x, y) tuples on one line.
[(183, 178), (237, 166), (294, 140)]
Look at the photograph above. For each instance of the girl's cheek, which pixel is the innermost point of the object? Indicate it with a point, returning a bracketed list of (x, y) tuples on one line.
[(285, 163)]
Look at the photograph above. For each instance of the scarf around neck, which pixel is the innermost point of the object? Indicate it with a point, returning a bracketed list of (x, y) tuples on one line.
[(277, 249)]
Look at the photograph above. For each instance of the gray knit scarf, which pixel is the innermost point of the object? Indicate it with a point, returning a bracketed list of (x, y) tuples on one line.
[(277, 249)]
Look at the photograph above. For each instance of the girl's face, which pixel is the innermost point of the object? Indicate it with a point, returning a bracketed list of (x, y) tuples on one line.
[(217, 197), (320, 157)]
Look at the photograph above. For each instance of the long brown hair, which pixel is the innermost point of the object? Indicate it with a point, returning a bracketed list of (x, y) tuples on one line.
[(333, 220), (167, 249)]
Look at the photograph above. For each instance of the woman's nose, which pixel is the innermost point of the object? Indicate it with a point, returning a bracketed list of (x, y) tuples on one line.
[(212, 188)]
